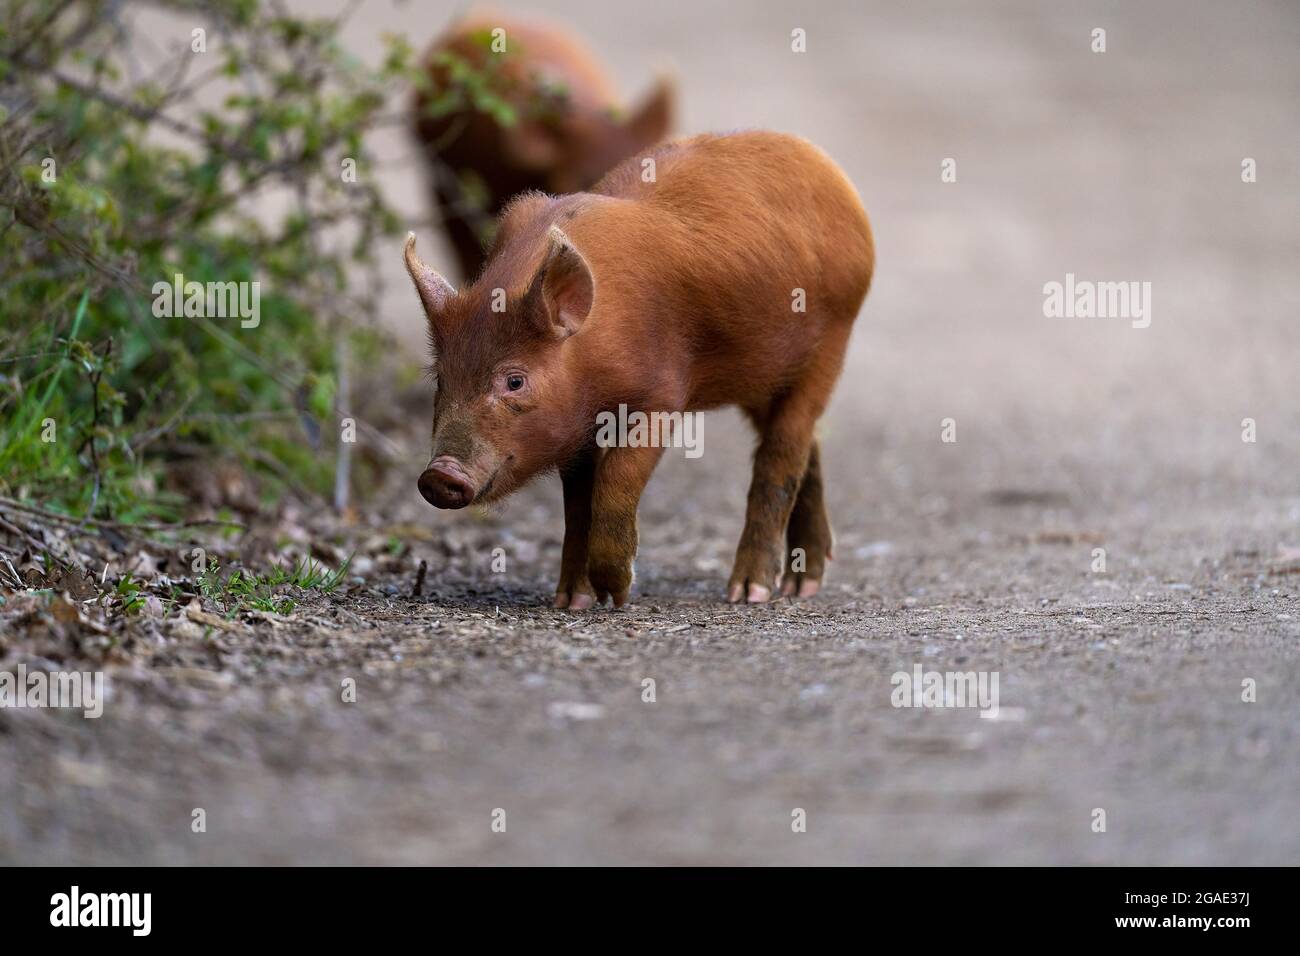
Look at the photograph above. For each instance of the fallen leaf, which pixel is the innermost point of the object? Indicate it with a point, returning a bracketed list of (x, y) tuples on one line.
[(194, 611)]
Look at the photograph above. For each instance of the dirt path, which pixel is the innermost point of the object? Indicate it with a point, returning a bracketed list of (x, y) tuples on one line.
[(1119, 690)]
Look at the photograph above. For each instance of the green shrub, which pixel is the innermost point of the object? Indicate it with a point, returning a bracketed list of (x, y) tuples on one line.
[(112, 181)]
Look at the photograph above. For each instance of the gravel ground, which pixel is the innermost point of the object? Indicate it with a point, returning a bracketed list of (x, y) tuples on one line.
[(1120, 690)]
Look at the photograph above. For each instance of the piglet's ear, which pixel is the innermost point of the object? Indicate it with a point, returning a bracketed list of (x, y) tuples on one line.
[(652, 120), (435, 291), (567, 286)]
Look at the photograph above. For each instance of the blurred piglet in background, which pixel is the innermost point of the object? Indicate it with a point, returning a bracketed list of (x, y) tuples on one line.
[(513, 106)]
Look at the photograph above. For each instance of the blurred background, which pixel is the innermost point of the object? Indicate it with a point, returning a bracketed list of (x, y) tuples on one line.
[(1072, 434)]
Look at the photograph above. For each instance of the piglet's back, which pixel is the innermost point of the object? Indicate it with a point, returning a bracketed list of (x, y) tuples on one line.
[(765, 206), (749, 246)]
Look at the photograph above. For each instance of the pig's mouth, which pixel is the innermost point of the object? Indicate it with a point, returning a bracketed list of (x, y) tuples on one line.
[(486, 491)]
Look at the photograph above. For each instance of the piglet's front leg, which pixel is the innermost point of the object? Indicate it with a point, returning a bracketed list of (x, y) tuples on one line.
[(620, 478), (574, 590)]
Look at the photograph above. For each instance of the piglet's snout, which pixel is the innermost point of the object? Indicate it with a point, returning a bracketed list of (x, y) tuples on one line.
[(445, 484)]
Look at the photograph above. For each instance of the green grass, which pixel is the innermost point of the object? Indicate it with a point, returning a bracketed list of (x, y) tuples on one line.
[(243, 589)]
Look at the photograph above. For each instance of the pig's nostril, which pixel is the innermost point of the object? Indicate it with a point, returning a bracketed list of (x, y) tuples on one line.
[(444, 484)]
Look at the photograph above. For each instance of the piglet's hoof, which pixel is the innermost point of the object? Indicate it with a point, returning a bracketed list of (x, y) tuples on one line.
[(750, 592)]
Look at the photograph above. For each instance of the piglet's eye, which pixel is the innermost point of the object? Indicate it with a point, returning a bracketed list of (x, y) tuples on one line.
[(514, 382)]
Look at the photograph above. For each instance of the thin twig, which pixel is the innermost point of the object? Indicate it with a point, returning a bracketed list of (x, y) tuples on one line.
[(20, 533), (118, 525)]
